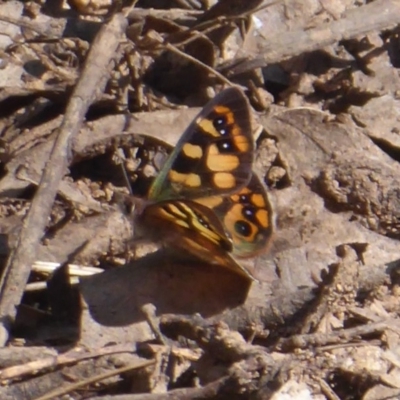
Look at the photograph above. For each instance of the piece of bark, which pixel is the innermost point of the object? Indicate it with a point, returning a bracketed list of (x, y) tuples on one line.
[(378, 15)]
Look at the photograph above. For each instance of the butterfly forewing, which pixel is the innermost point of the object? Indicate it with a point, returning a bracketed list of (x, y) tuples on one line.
[(214, 155)]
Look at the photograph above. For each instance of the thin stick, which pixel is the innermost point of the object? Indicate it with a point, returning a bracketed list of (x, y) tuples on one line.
[(198, 62), (89, 86), (70, 357), (67, 389), (149, 310)]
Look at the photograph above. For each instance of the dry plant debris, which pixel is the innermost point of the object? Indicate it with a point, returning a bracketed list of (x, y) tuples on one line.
[(88, 86)]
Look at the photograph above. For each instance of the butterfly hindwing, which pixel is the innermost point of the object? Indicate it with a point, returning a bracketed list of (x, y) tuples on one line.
[(191, 227), (214, 155), (246, 215)]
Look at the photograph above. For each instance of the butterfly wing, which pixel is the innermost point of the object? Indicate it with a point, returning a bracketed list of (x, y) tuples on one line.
[(190, 227), (246, 216), (214, 155), (211, 161)]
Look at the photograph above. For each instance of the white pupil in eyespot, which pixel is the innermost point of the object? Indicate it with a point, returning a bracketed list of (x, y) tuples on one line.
[(219, 122)]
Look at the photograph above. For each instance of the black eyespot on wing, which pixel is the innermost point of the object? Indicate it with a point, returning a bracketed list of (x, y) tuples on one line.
[(244, 199), (225, 146), (219, 123), (249, 212), (243, 228)]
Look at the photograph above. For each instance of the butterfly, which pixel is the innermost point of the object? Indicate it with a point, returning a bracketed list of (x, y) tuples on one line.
[(206, 200)]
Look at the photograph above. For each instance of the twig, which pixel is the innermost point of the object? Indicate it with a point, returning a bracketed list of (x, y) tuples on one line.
[(73, 356), (321, 340), (245, 378), (91, 84), (47, 268), (208, 391), (172, 14), (216, 338), (211, 70), (149, 311), (24, 23), (67, 389), (327, 390)]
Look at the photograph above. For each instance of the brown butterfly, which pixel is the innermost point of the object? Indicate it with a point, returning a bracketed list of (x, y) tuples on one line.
[(206, 200)]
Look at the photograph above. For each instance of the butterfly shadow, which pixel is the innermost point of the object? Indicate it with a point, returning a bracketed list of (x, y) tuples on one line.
[(116, 297)]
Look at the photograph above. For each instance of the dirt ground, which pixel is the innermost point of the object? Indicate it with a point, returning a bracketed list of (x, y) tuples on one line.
[(93, 96)]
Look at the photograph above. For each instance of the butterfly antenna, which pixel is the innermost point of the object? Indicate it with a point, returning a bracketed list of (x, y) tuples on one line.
[(126, 178), (120, 160)]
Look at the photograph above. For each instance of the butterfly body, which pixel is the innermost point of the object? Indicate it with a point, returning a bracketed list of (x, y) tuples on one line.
[(206, 200)]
